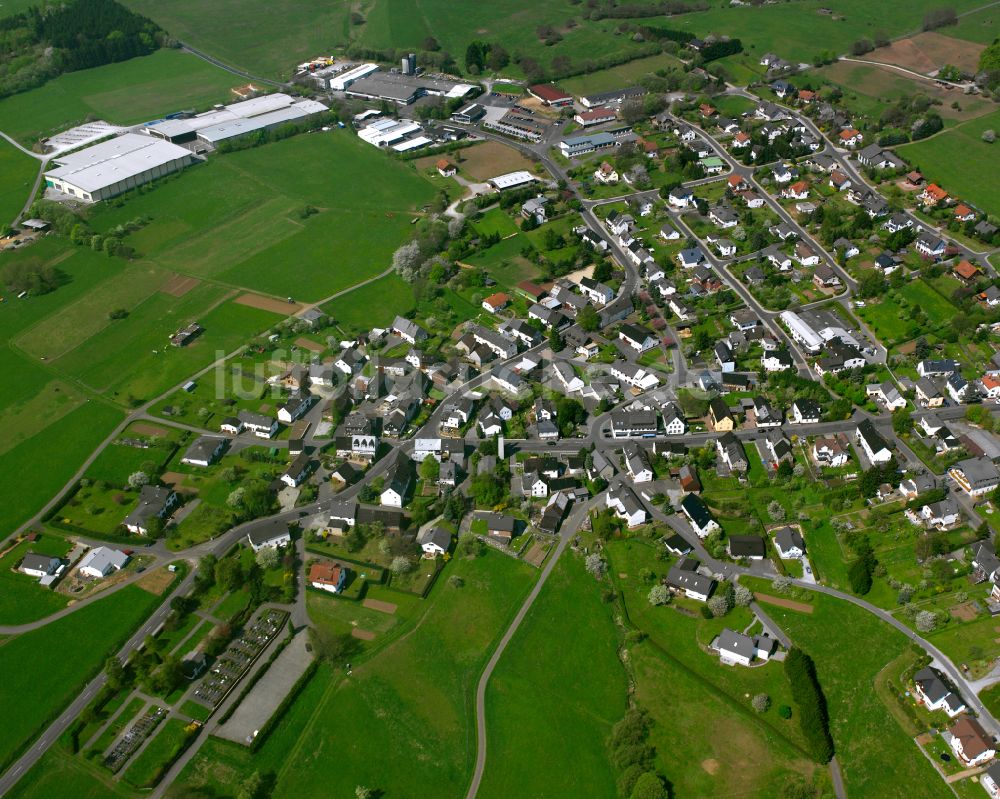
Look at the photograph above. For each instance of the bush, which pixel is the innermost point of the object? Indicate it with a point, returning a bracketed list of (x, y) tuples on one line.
[(808, 695), (659, 595), (761, 702), (784, 711), (718, 606)]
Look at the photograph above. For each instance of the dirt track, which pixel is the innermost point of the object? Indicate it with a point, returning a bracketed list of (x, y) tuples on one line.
[(801, 607), (379, 605), (269, 304), (179, 285)]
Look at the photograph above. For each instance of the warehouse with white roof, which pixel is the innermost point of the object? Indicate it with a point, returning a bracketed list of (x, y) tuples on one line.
[(113, 167), (237, 119), (512, 180)]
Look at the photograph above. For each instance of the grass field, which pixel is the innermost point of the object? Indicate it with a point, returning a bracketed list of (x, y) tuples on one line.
[(411, 705), (615, 77), (555, 694), (43, 670), (235, 219), (982, 27), (865, 734), (17, 176), (798, 31), (22, 599), (375, 304), (410, 729), (230, 30), (958, 158), (62, 775), (715, 713), (145, 770), (868, 88), (125, 93)]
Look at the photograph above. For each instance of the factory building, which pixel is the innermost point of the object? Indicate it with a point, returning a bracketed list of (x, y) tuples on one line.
[(113, 167), (238, 119)]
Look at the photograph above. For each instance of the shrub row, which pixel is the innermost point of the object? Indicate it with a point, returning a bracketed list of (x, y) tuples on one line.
[(808, 695)]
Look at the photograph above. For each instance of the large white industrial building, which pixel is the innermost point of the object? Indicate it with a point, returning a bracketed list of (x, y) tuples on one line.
[(238, 119), (113, 167)]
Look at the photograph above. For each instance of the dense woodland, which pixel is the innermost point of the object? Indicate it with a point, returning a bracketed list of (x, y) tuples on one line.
[(43, 42)]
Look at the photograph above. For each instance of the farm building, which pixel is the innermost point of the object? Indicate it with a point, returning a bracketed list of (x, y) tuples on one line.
[(512, 180), (113, 167)]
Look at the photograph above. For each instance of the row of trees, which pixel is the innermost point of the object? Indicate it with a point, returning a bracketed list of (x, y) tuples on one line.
[(808, 696), (634, 758)]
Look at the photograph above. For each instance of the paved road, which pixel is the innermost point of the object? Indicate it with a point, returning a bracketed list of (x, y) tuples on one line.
[(235, 70), (569, 528), (69, 715)]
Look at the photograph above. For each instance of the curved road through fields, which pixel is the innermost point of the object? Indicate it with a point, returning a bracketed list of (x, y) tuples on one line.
[(568, 529)]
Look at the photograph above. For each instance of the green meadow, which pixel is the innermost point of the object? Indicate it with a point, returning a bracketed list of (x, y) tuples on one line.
[(235, 219), (43, 670), (850, 648), (555, 694), (402, 722), (17, 176), (123, 93), (958, 159)]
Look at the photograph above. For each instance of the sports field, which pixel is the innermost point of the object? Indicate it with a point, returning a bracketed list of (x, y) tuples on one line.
[(17, 176), (235, 219), (958, 159), (555, 694), (43, 670), (125, 93)]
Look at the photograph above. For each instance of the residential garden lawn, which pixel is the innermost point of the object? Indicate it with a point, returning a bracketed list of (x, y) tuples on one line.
[(148, 766), (957, 159), (22, 599), (496, 220), (117, 461), (237, 217), (62, 775), (42, 670), (124, 93), (373, 305), (850, 647), (411, 704), (17, 176), (972, 643), (991, 698), (563, 659)]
